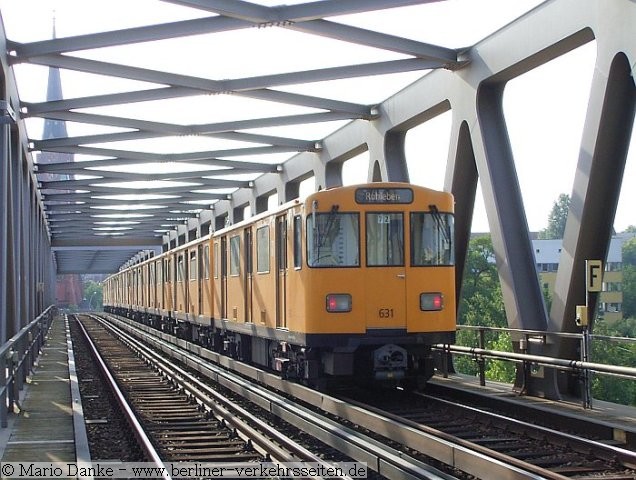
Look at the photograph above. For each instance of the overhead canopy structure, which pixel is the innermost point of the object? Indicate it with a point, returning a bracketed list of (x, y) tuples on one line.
[(179, 115)]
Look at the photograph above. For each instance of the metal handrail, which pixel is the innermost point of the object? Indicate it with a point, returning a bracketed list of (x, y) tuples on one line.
[(17, 357), (557, 363), (583, 366)]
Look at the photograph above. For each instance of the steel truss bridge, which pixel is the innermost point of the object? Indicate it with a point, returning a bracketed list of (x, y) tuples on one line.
[(46, 226)]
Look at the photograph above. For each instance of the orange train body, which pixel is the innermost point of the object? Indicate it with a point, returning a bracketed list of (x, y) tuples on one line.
[(355, 281)]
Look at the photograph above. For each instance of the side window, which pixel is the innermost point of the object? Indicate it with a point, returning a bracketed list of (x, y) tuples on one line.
[(235, 255), (262, 249), (206, 262), (180, 268), (160, 271), (298, 235), (193, 264), (168, 271), (217, 263)]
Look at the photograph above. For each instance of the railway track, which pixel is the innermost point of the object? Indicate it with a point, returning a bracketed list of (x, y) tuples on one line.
[(173, 420), (544, 451), (391, 439)]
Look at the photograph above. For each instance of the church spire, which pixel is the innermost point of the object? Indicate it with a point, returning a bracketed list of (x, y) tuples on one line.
[(54, 128)]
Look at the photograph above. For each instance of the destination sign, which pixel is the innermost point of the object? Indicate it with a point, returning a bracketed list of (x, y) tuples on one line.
[(384, 195)]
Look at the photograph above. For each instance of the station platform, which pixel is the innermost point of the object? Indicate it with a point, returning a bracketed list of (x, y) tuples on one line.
[(49, 423), (614, 423)]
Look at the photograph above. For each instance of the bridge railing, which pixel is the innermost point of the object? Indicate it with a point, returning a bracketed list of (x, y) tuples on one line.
[(529, 362), (17, 357)]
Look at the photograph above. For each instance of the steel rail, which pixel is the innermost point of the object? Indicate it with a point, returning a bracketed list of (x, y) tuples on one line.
[(385, 460), (214, 399), (144, 442), (603, 450), (391, 463)]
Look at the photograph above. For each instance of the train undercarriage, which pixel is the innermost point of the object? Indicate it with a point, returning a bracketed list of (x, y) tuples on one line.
[(320, 364)]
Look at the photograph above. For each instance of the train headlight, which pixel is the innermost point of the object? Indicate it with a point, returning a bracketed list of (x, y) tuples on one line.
[(431, 301), (338, 302)]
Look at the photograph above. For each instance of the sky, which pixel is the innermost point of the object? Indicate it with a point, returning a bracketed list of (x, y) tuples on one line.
[(544, 108)]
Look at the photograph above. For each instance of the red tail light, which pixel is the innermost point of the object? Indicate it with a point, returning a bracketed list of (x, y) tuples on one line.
[(338, 302), (431, 301)]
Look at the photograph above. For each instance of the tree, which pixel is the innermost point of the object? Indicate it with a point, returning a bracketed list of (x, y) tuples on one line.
[(629, 252), (604, 387), (482, 305), (93, 295), (629, 278), (556, 220)]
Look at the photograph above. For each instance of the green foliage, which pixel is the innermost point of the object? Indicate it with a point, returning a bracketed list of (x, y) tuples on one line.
[(629, 291), (556, 220), (629, 252), (607, 388), (482, 305), (93, 294)]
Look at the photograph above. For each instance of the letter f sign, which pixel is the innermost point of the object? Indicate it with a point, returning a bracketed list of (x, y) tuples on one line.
[(594, 275)]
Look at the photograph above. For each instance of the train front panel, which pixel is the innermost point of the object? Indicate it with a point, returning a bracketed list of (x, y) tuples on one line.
[(380, 287)]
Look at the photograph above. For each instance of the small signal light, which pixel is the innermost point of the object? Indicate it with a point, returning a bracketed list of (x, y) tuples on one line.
[(338, 302), (431, 301)]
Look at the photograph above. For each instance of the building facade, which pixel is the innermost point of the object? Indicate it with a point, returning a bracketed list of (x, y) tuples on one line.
[(547, 255)]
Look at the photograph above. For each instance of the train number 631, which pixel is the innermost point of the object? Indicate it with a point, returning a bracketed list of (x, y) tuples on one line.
[(385, 313)]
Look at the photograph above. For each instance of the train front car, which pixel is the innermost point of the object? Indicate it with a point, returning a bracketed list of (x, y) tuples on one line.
[(380, 287)]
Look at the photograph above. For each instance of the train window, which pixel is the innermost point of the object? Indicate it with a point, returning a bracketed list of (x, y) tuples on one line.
[(333, 239), (385, 239), (206, 262), (262, 249), (159, 272), (193, 264), (235, 255), (249, 248), (216, 260), (298, 231), (180, 268), (432, 239)]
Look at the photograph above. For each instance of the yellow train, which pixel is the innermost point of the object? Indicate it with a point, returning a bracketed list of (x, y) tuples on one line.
[(353, 282)]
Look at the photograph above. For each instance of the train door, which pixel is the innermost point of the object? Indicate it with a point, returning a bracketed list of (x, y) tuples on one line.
[(249, 248), (203, 273), (386, 268), (281, 272), (223, 277), (194, 291)]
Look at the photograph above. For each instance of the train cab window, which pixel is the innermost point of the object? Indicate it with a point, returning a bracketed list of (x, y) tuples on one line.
[(262, 249), (298, 231), (333, 239), (432, 239), (193, 265), (385, 239), (235, 255)]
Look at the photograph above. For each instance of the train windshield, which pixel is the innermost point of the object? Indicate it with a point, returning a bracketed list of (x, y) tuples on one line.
[(432, 239), (333, 239), (385, 239)]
